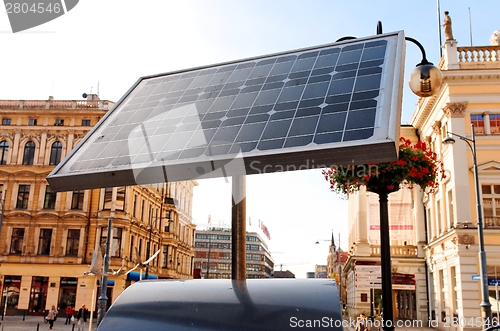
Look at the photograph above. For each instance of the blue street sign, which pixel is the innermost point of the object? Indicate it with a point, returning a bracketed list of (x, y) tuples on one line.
[(494, 281), (476, 277)]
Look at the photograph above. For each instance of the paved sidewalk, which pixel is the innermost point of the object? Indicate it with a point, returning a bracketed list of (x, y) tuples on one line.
[(35, 323), (401, 325)]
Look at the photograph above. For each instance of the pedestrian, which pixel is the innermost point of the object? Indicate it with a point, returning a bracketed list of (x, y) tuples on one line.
[(52, 316), (361, 323), (69, 314), (81, 316)]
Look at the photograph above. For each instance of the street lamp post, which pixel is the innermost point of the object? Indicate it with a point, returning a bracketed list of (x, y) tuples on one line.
[(2, 201), (148, 245), (485, 302), (103, 299)]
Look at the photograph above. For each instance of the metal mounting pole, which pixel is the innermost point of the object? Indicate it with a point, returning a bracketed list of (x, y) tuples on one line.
[(238, 223), (103, 299), (385, 261)]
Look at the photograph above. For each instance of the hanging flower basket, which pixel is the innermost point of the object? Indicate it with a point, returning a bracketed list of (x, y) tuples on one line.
[(417, 164)]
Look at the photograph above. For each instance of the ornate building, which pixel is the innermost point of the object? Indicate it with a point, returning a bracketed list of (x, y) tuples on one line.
[(470, 95), (47, 239), (440, 253)]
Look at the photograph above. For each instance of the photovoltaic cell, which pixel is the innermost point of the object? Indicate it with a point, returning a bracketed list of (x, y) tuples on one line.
[(277, 109)]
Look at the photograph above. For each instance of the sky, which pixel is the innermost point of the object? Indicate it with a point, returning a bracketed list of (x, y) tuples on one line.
[(106, 46)]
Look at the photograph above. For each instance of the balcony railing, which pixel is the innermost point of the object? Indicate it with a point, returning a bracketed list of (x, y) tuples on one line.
[(56, 104), (492, 222), (396, 251), (478, 54)]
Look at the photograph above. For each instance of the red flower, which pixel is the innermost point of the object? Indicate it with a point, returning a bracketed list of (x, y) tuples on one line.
[(417, 164)]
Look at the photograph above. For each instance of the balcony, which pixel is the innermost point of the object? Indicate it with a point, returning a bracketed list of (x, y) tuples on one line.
[(397, 251), (477, 57), (56, 104), (170, 201)]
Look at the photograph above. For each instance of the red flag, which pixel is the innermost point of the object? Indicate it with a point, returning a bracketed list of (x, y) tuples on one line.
[(209, 219), (266, 231)]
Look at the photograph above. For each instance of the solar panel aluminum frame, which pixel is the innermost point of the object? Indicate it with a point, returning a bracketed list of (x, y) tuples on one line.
[(381, 147)]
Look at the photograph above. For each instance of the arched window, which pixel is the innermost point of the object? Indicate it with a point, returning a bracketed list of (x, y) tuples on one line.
[(29, 153), (55, 153), (4, 149)]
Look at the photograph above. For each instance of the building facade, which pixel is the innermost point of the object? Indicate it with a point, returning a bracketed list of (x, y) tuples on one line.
[(434, 236), (470, 95), (47, 239), (213, 254)]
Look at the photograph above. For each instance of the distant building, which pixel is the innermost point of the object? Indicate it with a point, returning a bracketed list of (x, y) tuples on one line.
[(213, 254), (283, 274), (320, 271), (310, 274), (334, 264)]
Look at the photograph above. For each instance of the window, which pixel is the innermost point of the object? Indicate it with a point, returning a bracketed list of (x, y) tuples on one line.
[(55, 153), (164, 260), (120, 198), (23, 195), (50, 198), (495, 123), (59, 122), (450, 208), (17, 240), (32, 121), (438, 216), (29, 153), (5, 121), (131, 250), (134, 208), (139, 249), (44, 241), (4, 149), (491, 205), (478, 121), (108, 197), (85, 122), (77, 200), (116, 241), (72, 242)]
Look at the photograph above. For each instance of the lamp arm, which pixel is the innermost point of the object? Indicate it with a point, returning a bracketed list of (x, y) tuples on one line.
[(467, 140), (424, 57)]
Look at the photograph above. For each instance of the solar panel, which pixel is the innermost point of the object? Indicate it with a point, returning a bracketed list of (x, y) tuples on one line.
[(308, 108)]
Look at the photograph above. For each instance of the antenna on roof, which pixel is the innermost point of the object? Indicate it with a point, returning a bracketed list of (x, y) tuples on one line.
[(470, 28), (439, 29)]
